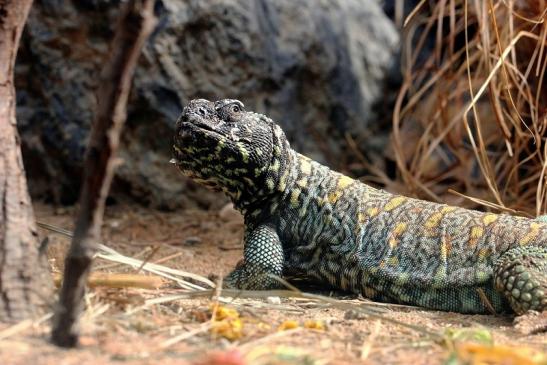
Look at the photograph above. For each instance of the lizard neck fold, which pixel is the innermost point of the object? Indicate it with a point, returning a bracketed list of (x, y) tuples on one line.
[(272, 180)]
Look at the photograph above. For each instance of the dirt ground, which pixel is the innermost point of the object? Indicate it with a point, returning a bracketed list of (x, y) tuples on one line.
[(128, 326)]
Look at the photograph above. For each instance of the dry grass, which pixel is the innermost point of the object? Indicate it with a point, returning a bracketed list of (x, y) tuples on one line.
[(471, 115)]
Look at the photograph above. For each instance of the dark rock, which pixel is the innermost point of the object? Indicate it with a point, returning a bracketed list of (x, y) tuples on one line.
[(318, 67)]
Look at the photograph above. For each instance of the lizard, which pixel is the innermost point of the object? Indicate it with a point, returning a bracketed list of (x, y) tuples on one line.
[(302, 217)]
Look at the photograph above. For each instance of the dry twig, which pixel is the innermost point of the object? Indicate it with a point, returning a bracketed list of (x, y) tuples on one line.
[(133, 29)]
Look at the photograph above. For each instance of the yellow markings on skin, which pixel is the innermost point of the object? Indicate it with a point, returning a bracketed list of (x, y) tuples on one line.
[(440, 276), (294, 197), (344, 182), (446, 246), (303, 182), (399, 229), (275, 165), (259, 171), (361, 218), (394, 203), (270, 184), (475, 234), (283, 181), (448, 209), (489, 219), (333, 197), (219, 147), (483, 254), (532, 234), (393, 261), (434, 220), (276, 151), (243, 151), (403, 278), (372, 212), (382, 264), (305, 166), (177, 149)]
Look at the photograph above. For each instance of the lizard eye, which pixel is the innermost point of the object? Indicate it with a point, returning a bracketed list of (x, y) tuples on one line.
[(236, 108)]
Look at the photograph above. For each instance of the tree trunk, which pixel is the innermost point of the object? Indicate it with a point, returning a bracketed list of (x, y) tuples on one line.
[(25, 283)]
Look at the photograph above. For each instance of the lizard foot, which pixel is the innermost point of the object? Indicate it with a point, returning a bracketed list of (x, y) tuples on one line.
[(250, 277), (521, 274)]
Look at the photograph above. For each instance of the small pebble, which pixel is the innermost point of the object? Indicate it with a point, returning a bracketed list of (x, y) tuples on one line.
[(228, 213), (192, 240), (353, 314), (273, 300), (114, 224)]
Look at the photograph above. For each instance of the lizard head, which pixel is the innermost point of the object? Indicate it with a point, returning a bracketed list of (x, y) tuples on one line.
[(223, 146)]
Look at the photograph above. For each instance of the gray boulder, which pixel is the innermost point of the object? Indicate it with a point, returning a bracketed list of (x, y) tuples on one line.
[(318, 67)]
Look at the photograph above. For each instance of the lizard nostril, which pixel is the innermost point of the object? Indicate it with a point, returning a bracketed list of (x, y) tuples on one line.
[(202, 112)]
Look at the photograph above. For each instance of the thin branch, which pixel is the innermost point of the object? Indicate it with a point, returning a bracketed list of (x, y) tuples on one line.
[(136, 23)]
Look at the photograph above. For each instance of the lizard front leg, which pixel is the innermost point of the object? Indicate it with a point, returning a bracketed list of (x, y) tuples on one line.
[(262, 255)]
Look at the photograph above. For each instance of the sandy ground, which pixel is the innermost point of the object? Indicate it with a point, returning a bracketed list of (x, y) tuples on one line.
[(120, 325)]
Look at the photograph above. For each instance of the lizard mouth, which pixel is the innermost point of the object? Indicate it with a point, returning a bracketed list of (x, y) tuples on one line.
[(187, 129), (190, 138)]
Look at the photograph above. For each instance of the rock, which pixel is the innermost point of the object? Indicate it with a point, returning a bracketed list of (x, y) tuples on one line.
[(319, 68), (228, 213)]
